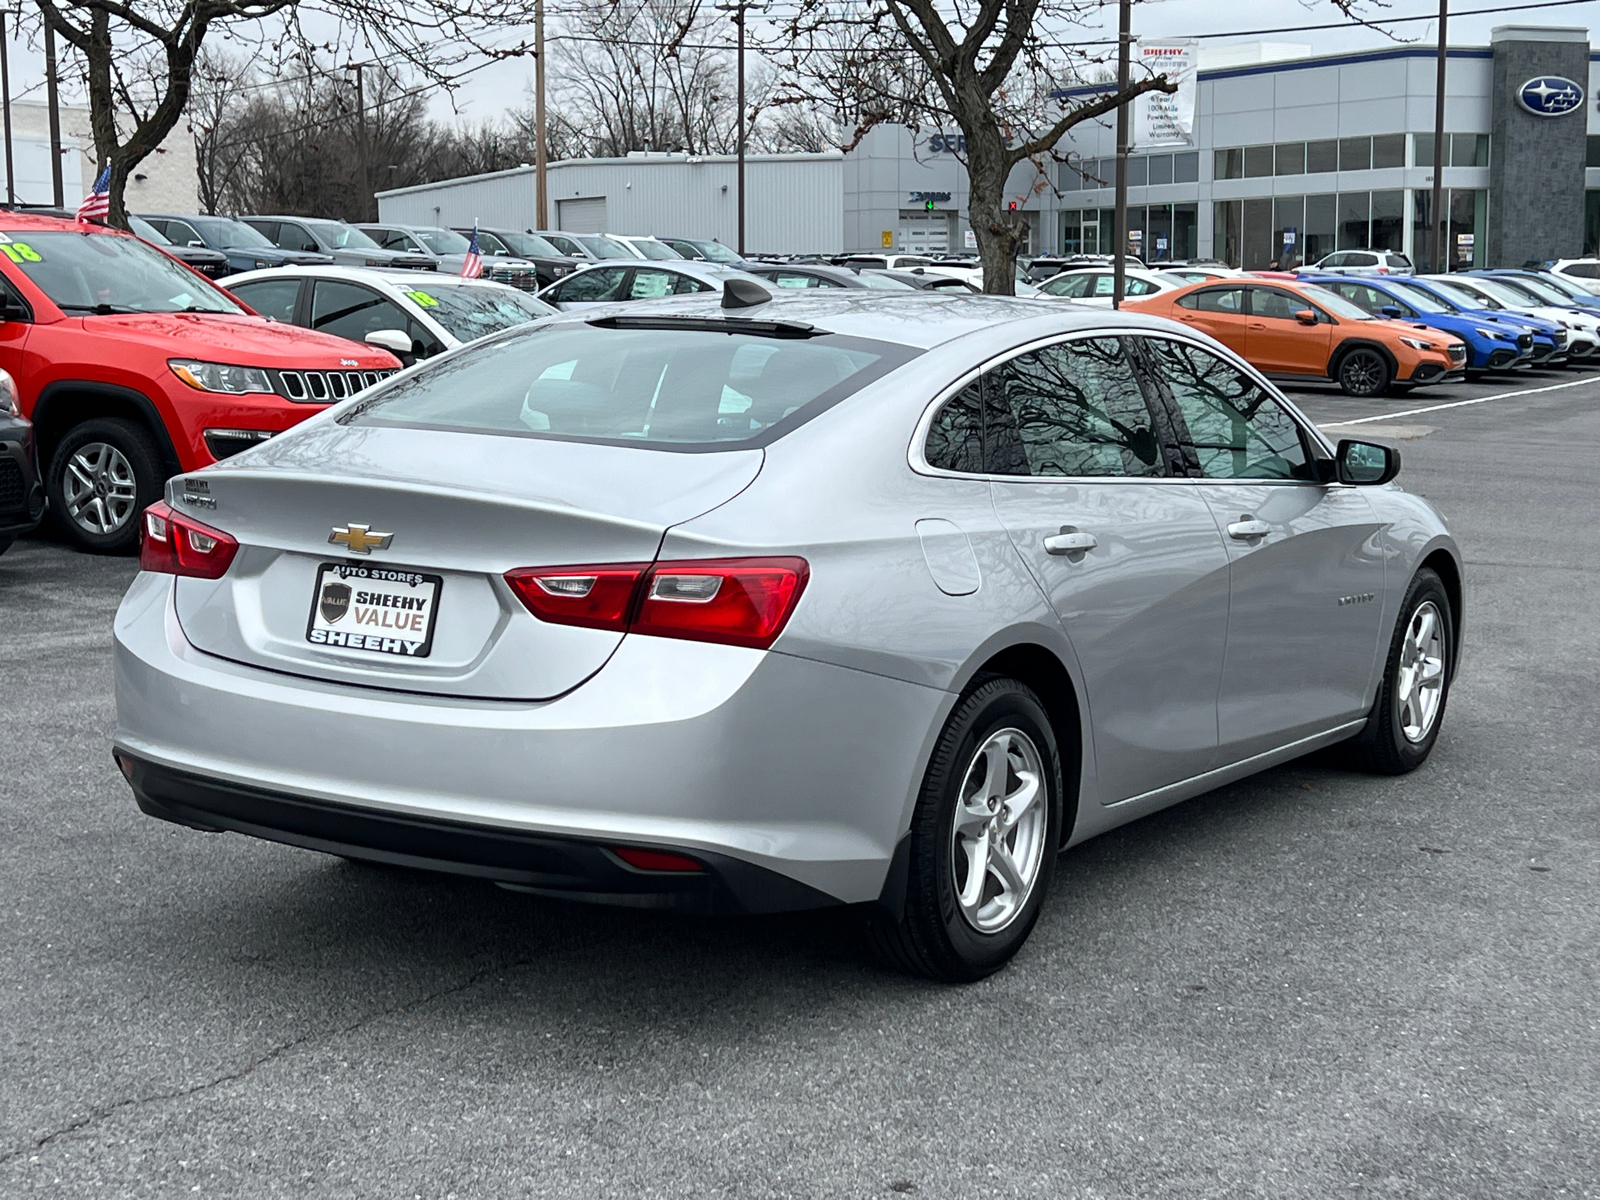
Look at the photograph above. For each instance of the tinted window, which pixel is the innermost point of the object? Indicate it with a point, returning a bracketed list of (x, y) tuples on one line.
[(270, 297), (1221, 300), (636, 386), (181, 233), (351, 311), (1071, 409), (1322, 156), (1186, 167), (1257, 161), (1273, 304), (1235, 430), (1139, 287), (293, 237), (597, 283), (955, 439), (1076, 284)]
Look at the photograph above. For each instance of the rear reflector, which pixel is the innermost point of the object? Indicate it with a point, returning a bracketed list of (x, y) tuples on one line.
[(655, 860), (733, 601), (174, 544)]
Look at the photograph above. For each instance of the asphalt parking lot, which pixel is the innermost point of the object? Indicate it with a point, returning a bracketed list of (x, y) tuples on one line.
[(1310, 984)]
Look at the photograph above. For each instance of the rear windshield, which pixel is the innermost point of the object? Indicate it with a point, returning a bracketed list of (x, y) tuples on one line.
[(680, 388), (444, 241), (604, 247), (229, 233), (106, 273)]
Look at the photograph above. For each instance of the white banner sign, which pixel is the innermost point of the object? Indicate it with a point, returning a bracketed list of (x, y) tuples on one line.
[(1163, 118)]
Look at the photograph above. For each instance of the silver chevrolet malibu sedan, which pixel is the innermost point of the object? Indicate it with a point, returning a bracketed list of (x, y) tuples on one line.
[(871, 599)]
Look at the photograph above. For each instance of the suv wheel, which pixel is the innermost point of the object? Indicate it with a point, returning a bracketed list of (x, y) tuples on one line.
[(103, 475), (1363, 372)]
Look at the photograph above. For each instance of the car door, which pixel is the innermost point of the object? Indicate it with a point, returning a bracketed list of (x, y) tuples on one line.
[(1306, 568), (1129, 556), (1219, 311), (353, 310), (1278, 342), (597, 285)]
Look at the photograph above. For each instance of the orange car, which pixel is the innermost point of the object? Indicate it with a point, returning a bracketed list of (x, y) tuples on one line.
[(1300, 331)]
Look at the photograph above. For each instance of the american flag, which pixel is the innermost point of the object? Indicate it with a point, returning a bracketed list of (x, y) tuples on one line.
[(473, 266), (97, 204)]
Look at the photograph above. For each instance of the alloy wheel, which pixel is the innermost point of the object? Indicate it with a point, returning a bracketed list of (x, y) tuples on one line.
[(997, 842), (1361, 373), (99, 488), (1419, 681)]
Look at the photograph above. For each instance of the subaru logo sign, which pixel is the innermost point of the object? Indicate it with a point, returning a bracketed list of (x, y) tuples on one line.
[(1550, 96)]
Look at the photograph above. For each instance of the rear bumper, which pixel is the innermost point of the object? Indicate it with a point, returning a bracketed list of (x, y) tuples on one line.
[(21, 496), (797, 768), (554, 866)]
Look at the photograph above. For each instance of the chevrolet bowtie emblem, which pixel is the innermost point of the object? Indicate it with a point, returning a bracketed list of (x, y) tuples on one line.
[(360, 539)]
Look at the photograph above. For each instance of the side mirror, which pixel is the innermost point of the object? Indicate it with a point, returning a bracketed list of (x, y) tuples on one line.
[(1391, 311), (1306, 316), (1366, 463), (196, 244), (394, 341)]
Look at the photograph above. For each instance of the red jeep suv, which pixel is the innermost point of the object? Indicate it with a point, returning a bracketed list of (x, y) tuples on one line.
[(133, 368)]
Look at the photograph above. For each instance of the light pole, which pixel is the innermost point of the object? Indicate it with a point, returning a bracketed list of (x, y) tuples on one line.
[(1119, 226), (361, 140), (5, 95), (1438, 240), (540, 152), (738, 10), (53, 95)]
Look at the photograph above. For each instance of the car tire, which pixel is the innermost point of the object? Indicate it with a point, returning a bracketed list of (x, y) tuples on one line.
[(1404, 722), (955, 927), (1363, 372), (104, 473)]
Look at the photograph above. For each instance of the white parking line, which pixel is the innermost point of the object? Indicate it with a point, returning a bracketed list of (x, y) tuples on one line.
[(1413, 412)]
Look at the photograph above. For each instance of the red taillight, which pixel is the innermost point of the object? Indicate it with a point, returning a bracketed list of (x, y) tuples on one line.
[(735, 601), (1383, 270), (596, 597), (655, 860), (174, 544)]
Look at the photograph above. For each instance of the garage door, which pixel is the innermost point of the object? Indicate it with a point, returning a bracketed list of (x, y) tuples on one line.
[(585, 215), (924, 233)]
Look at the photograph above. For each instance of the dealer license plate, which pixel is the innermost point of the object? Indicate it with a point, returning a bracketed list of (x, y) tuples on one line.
[(381, 610)]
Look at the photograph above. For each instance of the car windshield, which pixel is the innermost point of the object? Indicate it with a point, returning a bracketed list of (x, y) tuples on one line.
[(1334, 303), (1567, 288), (221, 231), (716, 252), (341, 236), (1539, 289), (1464, 297), (445, 241), (679, 387), (147, 231), (604, 247), (1504, 294), (529, 245), (103, 273), (1420, 298), (472, 310), (651, 248)]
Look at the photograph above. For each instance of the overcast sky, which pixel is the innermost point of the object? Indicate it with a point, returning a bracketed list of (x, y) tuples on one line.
[(488, 92)]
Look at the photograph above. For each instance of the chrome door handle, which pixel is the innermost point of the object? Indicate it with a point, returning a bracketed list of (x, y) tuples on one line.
[(1247, 527), (1070, 541)]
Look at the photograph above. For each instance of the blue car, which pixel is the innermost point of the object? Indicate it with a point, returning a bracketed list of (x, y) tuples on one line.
[(1492, 344), (1549, 337), (1551, 289)]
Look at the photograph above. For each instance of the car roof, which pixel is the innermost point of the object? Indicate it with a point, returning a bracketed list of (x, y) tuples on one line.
[(920, 319), (26, 220), (369, 275)]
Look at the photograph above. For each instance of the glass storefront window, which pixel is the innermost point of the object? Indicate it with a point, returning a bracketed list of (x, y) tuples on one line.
[(1469, 212), (1160, 169), (1322, 156), (1388, 220), (1321, 222), (1593, 159), (1591, 221), (1228, 164), (1136, 232), (1070, 179), (1185, 231), (1257, 161), (1354, 211), (1072, 232), (1355, 154), (1186, 167), (1290, 158), (1225, 229), (1259, 252), (1422, 150), (1421, 202), (1288, 218), (1158, 233), (1389, 150)]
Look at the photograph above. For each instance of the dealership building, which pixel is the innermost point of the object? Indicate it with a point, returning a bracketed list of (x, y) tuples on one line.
[(1293, 156)]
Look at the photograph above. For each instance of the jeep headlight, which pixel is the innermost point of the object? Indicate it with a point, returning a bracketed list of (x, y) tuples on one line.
[(220, 377), (1417, 343)]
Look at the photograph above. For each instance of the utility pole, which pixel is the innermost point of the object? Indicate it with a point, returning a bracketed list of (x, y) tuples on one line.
[(1119, 226), (5, 94), (361, 142), (1438, 227), (540, 150), (738, 10), (53, 95)]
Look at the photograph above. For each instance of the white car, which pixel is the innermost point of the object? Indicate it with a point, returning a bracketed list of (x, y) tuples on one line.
[(1585, 272), (1094, 285), (1476, 291), (414, 315), (646, 247), (609, 282), (1182, 276)]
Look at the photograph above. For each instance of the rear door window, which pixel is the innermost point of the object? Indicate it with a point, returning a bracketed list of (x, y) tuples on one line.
[(1219, 300), (595, 284), (273, 298), (648, 284), (349, 310)]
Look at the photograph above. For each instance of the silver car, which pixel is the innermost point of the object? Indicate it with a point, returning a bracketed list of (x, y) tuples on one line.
[(740, 604)]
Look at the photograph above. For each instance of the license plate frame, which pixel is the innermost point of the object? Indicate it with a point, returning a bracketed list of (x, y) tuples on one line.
[(391, 625)]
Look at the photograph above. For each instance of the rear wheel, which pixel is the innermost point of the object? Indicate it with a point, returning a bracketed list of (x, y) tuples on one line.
[(1405, 718), (102, 476), (984, 839), (1363, 372)]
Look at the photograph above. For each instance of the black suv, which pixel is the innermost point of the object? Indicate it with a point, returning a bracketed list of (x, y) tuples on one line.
[(244, 248)]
